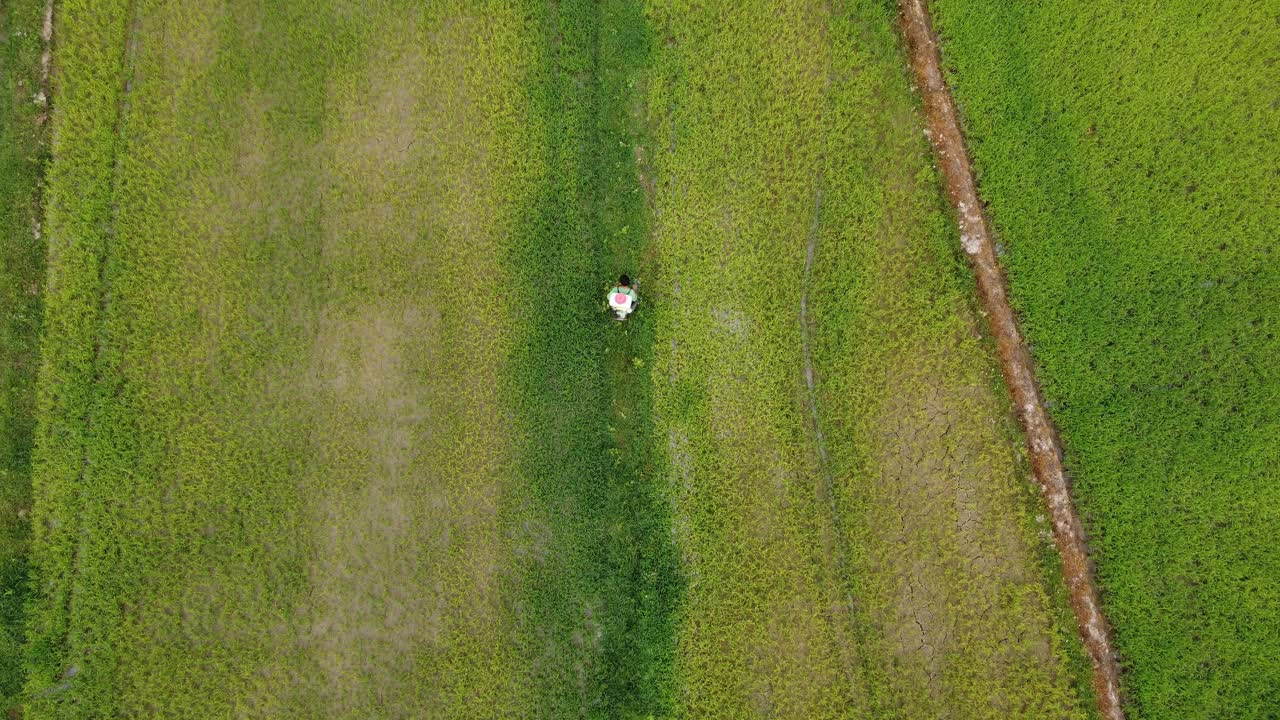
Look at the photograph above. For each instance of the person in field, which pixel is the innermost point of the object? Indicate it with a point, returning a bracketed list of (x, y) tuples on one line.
[(623, 298)]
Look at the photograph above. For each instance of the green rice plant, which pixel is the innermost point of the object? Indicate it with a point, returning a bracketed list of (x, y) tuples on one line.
[(259, 456), (1128, 156), (78, 208), (23, 150)]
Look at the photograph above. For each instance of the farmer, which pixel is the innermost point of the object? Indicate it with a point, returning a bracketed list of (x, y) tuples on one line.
[(623, 298)]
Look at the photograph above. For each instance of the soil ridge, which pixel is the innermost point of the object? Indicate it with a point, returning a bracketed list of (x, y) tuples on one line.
[(943, 129)]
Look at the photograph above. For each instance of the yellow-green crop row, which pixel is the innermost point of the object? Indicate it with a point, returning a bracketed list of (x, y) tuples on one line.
[(1128, 153), (877, 556), (78, 213)]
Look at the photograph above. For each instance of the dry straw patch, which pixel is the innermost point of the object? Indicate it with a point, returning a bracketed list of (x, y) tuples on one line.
[(409, 613), (367, 619)]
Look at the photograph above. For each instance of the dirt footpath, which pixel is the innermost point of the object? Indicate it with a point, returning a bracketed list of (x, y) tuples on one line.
[(1016, 363)]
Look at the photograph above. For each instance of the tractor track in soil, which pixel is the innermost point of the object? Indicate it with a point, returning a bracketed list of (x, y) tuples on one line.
[(839, 614), (943, 129)]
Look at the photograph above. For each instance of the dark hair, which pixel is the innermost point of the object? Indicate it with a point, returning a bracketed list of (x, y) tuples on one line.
[(624, 281)]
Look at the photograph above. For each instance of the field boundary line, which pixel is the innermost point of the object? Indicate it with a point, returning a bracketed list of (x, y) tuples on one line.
[(943, 129)]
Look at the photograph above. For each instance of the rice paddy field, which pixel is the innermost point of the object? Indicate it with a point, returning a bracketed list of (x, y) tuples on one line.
[(332, 421)]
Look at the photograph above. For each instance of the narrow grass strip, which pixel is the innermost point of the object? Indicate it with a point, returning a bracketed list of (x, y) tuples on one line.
[(597, 565), (24, 143)]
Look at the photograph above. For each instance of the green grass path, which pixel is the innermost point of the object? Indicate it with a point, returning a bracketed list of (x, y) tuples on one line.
[(605, 583), (23, 151)]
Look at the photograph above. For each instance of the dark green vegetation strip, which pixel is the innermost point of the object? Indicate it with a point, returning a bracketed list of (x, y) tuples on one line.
[(23, 149), (602, 583), (333, 422), (903, 579), (1129, 158)]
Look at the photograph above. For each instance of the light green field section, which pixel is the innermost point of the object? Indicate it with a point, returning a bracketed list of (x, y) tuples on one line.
[(334, 423), (283, 496), (888, 565)]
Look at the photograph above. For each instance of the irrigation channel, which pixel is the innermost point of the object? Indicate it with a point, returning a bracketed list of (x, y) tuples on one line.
[(1015, 360)]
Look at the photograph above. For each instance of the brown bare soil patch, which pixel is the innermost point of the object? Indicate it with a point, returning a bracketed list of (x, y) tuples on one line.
[(195, 42), (950, 549), (367, 615)]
